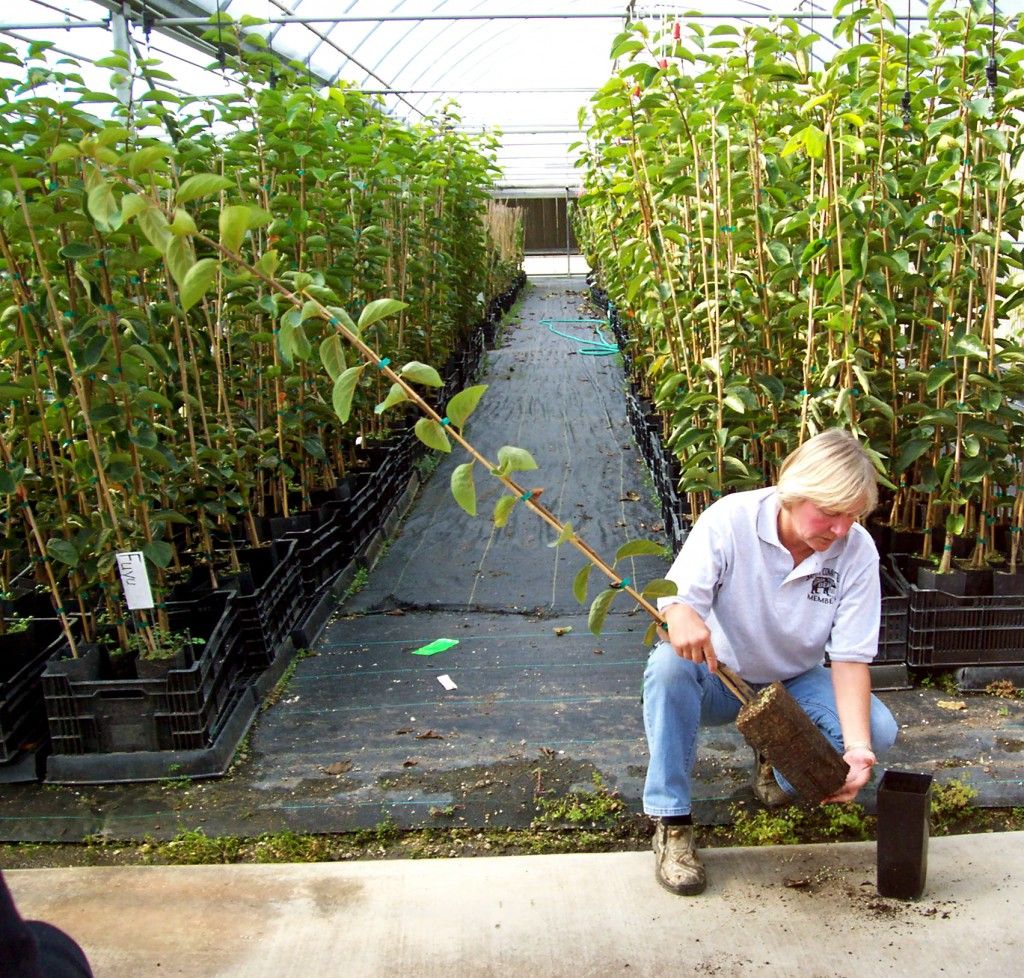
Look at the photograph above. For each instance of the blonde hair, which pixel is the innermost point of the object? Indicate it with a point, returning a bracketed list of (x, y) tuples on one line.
[(832, 471)]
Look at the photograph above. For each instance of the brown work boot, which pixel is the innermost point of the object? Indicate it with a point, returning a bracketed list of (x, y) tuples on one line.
[(677, 867), (766, 788)]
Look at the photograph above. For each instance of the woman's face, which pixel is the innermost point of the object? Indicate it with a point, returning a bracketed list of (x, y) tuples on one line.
[(808, 524)]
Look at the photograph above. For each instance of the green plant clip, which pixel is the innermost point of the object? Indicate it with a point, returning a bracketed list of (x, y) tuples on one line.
[(446, 421), (624, 583), (383, 362)]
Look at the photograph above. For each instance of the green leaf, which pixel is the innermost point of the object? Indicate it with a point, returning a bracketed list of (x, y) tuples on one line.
[(564, 537), (132, 205), (628, 46), (580, 582), (183, 224), (735, 402), (779, 253), (378, 309), (201, 185), (198, 280), (343, 318), (971, 345), (75, 251), (814, 142), (158, 553), (599, 610), (937, 377), (793, 143), (180, 258), (145, 159), (62, 550), (651, 634), (154, 226), (503, 509), (463, 487), (234, 222), (344, 390), (301, 347), (269, 262), (660, 587), (395, 396), (432, 434), (332, 356), (315, 447), (62, 152), (462, 405), (639, 548), (512, 459), (420, 373), (103, 207), (955, 524), (8, 484), (911, 452)]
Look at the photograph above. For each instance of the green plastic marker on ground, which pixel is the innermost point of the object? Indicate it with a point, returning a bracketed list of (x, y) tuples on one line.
[(438, 645)]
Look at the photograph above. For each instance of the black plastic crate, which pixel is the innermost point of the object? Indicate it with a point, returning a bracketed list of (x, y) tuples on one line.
[(322, 551), (892, 632), (180, 710), (23, 657), (269, 600), (948, 630)]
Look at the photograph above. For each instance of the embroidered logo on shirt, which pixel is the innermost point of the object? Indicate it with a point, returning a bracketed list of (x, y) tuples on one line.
[(824, 586)]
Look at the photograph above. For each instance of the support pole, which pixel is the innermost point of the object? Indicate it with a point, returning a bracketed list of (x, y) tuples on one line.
[(122, 43), (568, 237)]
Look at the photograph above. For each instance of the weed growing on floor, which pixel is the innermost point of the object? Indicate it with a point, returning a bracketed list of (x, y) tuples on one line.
[(281, 686), (943, 681), (359, 580), (952, 807), (766, 828), (192, 847), (242, 752), (426, 465), (599, 808)]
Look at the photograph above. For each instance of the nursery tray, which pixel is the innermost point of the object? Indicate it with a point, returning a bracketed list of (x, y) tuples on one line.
[(948, 630), (180, 710)]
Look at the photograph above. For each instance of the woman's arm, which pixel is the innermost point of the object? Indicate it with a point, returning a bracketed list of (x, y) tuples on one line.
[(851, 682)]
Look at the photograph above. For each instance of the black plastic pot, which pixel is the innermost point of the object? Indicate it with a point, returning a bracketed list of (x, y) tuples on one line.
[(929, 579), (904, 803), (1005, 583)]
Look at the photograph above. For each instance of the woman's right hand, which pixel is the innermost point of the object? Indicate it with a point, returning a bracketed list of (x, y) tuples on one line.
[(688, 635)]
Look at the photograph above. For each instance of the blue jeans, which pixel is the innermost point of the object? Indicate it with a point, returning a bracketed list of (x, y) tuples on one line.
[(680, 697)]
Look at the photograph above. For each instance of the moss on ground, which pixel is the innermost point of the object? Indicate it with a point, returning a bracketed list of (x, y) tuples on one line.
[(587, 821)]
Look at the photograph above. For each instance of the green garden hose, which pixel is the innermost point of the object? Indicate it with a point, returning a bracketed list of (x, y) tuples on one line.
[(588, 348)]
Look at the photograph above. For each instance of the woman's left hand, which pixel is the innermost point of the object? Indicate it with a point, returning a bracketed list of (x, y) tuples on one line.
[(861, 761)]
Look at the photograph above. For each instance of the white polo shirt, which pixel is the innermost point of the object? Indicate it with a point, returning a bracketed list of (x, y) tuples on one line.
[(770, 620)]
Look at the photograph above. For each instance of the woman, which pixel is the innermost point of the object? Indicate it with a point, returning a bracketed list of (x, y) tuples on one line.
[(768, 582)]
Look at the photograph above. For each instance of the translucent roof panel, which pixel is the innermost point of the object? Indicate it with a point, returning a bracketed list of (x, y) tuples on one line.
[(519, 67)]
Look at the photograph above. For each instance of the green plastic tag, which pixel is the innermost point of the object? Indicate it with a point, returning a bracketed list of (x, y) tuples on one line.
[(438, 645)]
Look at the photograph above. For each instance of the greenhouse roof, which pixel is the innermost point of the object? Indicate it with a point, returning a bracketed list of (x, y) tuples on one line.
[(521, 69)]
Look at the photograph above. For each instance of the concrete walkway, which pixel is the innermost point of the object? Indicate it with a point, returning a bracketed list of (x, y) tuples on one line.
[(801, 911)]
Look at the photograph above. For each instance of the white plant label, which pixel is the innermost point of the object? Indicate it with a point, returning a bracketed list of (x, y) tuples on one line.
[(446, 681), (135, 580)]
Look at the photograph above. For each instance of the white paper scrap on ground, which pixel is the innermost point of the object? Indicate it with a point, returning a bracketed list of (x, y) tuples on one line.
[(446, 681)]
